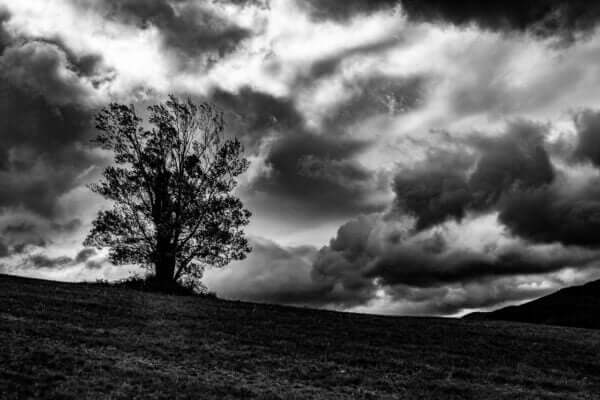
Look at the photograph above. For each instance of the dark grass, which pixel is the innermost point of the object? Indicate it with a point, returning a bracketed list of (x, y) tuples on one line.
[(77, 341)]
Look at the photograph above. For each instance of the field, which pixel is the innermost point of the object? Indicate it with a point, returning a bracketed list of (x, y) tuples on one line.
[(77, 341)]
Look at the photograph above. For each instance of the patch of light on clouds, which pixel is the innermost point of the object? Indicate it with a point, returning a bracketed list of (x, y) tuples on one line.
[(476, 232)]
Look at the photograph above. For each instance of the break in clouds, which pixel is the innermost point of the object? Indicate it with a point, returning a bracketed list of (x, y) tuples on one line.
[(409, 157)]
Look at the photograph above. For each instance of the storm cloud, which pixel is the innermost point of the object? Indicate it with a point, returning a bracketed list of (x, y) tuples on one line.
[(421, 244), (541, 18), (344, 10), (448, 185), (45, 139), (311, 170)]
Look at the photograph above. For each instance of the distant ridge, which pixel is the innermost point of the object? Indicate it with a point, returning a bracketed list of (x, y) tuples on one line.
[(575, 306)]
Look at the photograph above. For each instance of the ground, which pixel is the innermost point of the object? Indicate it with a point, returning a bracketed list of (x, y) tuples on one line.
[(77, 341)]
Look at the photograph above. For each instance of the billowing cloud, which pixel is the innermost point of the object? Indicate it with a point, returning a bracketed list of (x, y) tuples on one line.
[(45, 140), (320, 174), (561, 212), (539, 222), (378, 256), (311, 171), (476, 177)]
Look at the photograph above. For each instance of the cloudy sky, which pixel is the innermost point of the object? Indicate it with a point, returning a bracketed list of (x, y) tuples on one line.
[(411, 158)]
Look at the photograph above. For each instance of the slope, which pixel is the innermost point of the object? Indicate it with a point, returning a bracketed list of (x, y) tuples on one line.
[(75, 341)]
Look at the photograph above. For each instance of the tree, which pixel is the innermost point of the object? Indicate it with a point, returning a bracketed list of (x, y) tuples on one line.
[(174, 211)]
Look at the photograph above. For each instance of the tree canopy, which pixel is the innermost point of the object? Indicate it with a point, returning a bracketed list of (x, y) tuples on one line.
[(171, 186)]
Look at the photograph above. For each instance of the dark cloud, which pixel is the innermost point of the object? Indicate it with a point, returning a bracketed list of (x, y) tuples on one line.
[(432, 196), (456, 298), (47, 124), (376, 95), (565, 20), (85, 254), (371, 253), (542, 18), (86, 65), (4, 251), (416, 265), (310, 173), (190, 28), (93, 264), (23, 233), (376, 263), (319, 174), (83, 257), (252, 114), (372, 258), (5, 37), (448, 184), (69, 226), (314, 172), (42, 68), (44, 261), (19, 228), (515, 161), (343, 10), (557, 213), (587, 123), (551, 222)]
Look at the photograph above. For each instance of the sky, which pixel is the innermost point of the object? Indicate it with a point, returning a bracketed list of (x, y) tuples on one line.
[(407, 157)]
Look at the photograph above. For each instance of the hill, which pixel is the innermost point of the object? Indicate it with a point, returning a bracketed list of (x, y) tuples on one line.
[(75, 341), (576, 306)]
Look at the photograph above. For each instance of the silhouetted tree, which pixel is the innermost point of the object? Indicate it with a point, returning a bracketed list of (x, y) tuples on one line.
[(172, 184)]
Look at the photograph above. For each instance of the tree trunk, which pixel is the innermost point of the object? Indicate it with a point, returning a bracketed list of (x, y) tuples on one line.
[(165, 259), (164, 265), (165, 270)]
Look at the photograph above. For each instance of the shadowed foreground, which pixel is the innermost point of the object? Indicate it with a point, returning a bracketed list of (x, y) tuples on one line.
[(63, 340)]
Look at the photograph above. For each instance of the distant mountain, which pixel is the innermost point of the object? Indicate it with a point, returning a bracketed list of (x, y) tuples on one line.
[(576, 306)]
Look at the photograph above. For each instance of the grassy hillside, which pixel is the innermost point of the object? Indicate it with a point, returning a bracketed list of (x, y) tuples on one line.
[(80, 341), (577, 306)]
